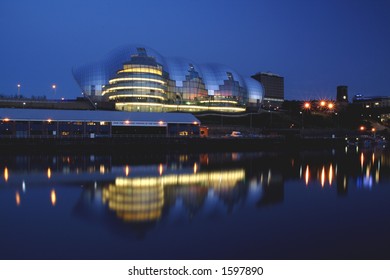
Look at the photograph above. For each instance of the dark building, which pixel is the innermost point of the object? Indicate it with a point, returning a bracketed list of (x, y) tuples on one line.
[(371, 102), (273, 89), (342, 94)]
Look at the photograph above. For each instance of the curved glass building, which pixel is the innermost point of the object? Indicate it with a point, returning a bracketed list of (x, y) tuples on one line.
[(137, 78)]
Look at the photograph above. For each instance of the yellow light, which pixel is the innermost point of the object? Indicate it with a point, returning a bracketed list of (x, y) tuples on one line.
[(368, 171), (102, 169), (195, 168), (112, 97), (195, 123), (17, 198), (160, 122), (48, 173), (114, 81), (210, 180), (114, 89), (362, 128), (49, 120), (141, 70), (6, 174), (182, 107), (307, 175), (219, 101), (53, 197), (6, 120), (127, 170), (127, 122), (160, 169), (322, 103), (323, 176), (373, 129), (361, 160), (330, 174), (306, 105), (330, 105)]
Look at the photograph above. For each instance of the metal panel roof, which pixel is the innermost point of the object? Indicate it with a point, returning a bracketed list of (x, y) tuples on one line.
[(94, 116)]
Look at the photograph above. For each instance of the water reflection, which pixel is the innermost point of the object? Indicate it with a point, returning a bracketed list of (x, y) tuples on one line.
[(142, 198), (147, 190), (6, 174), (17, 198), (53, 197)]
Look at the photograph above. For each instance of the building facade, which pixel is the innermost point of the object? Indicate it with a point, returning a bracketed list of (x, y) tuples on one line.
[(38, 123), (371, 102), (273, 89), (137, 78)]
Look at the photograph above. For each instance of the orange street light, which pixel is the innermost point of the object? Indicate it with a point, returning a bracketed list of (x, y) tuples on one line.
[(330, 105), (306, 105), (362, 128), (322, 103)]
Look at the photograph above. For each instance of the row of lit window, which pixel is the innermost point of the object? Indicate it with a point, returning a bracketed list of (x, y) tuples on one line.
[(114, 89), (135, 79)]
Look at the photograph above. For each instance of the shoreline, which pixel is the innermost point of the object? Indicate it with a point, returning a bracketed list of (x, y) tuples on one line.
[(153, 144)]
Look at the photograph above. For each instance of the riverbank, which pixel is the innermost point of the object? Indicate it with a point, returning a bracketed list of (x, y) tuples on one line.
[(150, 144)]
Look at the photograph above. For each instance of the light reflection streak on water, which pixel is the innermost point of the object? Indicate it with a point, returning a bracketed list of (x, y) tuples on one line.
[(330, 174), (307, 175), (160, 169), (195, 168), (48, 173), (6, 175), (323, 176), (17, 198), (53, 197), (127, 170)]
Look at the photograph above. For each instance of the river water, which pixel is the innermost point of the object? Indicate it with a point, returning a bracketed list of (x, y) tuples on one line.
[(331, 204)]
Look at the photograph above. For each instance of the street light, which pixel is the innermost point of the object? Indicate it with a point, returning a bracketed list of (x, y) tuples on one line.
[(19, 85), (373, 130), (54, 87), (306, 105)]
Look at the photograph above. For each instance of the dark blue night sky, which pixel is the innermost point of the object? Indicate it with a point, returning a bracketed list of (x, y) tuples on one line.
[(315, 45)]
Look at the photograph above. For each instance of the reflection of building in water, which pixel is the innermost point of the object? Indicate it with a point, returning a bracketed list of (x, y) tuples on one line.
[(142, 198), (135, 203), (273, 189), (342, 185)]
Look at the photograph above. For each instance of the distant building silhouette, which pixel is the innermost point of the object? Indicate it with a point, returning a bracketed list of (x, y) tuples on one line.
[(342, 94), (273, 89), (372, 102)]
